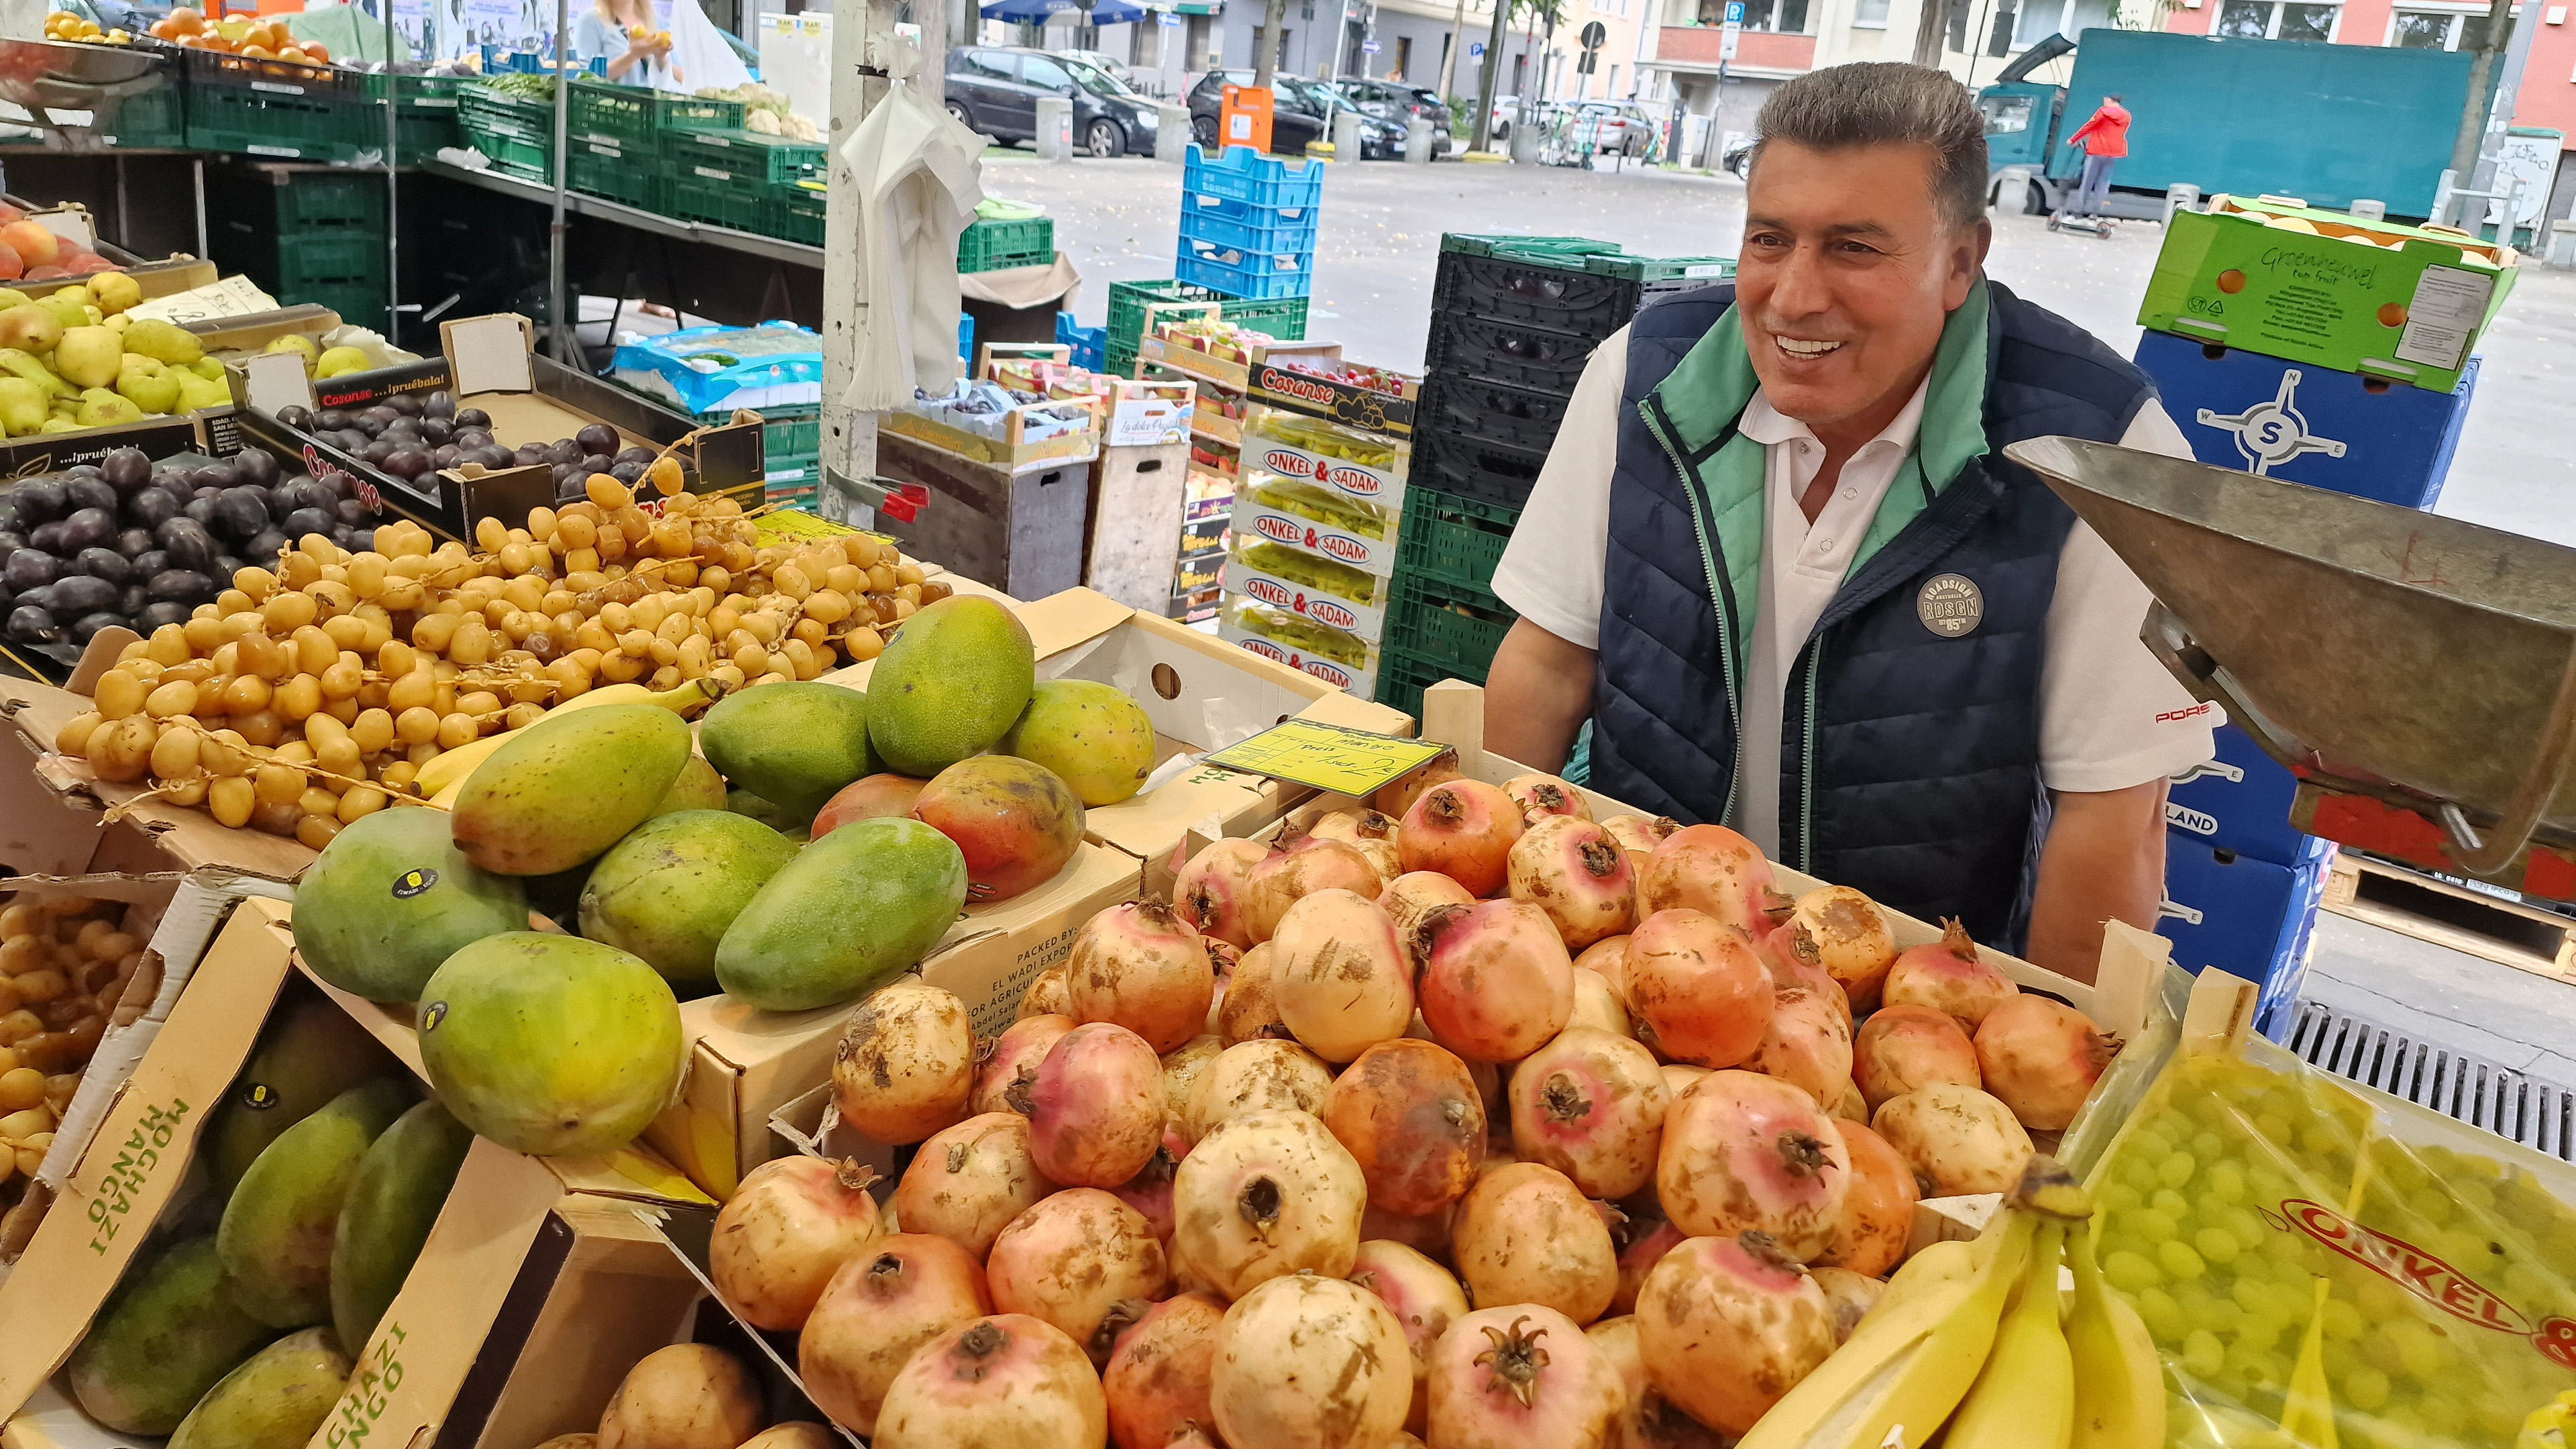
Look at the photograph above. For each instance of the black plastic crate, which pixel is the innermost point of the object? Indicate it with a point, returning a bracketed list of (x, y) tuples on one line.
[(1476, 468), (1523, 356), (1512, 289), (1497, 412)]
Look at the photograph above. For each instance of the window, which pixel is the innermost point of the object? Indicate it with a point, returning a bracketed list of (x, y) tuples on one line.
[(1404, 56), (2427, 30), (2268, 20), (1092, 78), (984, 65), (1870, 14), (1788, 17), (1999, 39), (2005, 115), (1043, 73)]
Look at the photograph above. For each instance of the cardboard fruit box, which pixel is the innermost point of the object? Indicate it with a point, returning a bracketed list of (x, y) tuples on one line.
[(2275, 276)]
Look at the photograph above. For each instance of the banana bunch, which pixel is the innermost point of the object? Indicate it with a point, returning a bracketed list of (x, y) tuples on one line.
[(1977, 1337)]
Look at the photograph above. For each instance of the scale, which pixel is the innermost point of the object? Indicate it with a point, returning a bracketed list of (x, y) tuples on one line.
[(44, 76), (2416, 673)]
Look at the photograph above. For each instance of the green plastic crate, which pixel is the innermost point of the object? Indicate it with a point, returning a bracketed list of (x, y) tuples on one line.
[(1453, 542), (775, 159), (426, 113), (1281, 317), (1455, 633), (1401, 678), (325, 258), (309, 200), (517, 134), (716, 200), (1564, 251), (596, 168), (796, 214), (360, 304), (157, 118), (990, 246), (638, 119), (1121, 361), (1704, 270)]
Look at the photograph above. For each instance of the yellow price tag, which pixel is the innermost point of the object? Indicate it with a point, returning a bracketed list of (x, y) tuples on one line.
[(1326, 757)]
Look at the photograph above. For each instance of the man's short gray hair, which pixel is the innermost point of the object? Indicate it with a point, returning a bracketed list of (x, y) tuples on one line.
[(1883, 103)]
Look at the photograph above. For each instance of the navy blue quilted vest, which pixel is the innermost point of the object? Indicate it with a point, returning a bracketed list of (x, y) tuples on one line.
[(1909, 761)]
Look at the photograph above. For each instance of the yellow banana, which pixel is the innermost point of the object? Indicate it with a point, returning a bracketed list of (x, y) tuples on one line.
[(2024, 1397), (443, 778), (2119, 1386)]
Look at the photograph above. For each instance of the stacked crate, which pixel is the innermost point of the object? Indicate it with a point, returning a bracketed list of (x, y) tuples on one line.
[(993, 244), (278, 109), (1131, 307), (1248, 223), (1513, 320), (640, 147), (307, 236)]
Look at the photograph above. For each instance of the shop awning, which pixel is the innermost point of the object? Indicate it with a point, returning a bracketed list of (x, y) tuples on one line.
[(1038, 12), (1192, 7)]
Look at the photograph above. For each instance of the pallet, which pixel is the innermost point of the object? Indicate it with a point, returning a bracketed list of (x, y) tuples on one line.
[(2458, 916)]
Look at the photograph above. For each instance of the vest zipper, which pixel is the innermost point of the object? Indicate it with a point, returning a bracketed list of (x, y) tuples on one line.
[(1802, 851), (1717, 598)]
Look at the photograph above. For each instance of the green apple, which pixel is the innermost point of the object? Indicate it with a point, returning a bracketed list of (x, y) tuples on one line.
[(148, 385), (103, 409), (89, 356), (200, 392), (22, 406)]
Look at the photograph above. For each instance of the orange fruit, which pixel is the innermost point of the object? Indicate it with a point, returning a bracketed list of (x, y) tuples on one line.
[(256, 52), (316, 52), (293, 53), (184, 21)]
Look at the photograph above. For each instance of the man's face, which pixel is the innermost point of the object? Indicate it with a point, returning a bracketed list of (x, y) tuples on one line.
[(1847, 273)]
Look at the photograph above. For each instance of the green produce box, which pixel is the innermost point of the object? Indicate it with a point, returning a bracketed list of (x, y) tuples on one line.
[(604, 169), (516, 132), (990, 246), (796, 214), (2285, 280), (156, 118), (763, 157), (638, 118)]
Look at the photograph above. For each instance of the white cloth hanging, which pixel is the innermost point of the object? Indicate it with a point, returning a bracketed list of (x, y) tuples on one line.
[(918, 173), (700, 58)]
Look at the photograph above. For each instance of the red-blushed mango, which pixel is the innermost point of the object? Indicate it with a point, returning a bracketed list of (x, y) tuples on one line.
[(1017, 822), (872, 798)]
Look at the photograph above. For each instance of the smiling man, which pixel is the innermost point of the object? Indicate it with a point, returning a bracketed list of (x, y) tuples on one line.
[(1778, 559)]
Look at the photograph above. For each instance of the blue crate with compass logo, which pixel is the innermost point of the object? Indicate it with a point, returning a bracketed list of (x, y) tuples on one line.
[(2302, 423)]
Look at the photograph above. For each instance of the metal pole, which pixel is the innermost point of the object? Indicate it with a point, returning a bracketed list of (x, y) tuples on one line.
[(565, 350), (197, 174), (2473, 112), (1341, 39), (2500, 118), (393, 160)]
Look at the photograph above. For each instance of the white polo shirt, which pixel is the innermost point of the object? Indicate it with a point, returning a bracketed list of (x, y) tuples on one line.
[(2110, 715)]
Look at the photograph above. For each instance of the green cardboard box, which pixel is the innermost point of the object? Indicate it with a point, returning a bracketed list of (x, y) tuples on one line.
[(2331, 290)]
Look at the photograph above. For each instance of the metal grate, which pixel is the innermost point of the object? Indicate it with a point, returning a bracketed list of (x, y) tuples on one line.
[(2539, 1115)]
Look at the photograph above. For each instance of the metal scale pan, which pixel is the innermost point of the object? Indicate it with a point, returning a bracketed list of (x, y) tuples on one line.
[(2374, 650), (44, 76)]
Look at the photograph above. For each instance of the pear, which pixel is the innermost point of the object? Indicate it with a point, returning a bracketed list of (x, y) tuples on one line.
[(208, 368), (30, 328), (197, 392), (70, 306), (339, 360), (103, 409), (22, 406), (295, 342), (60, 425), (158, 340), (115, 291), (12, 297), (149, 385), (89, 356)]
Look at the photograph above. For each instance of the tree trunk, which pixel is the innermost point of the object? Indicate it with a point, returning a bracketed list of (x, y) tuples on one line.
[(1492, 72), (1449, 61), (1265, 63), (2473, 115), (1930, 25)]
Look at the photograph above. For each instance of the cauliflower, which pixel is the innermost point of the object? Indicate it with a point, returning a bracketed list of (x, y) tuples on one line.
[(764, 122)]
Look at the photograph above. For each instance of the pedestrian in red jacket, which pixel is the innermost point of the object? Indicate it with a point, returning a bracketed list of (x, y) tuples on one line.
[(2105, 139)]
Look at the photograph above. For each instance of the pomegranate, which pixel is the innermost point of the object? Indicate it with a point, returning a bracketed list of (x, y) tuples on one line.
[(1307, 1361), (1958, 1140), (1424, 1299), (685, 1396), (875, 1312), (1408, 896), (1851, 1296), (967, 1182), (1608, 959), (1158, 1377), (1338, 973), (1265, 1194), (1005, 1380), (1746, 1152), (2041, 1059), (1397, 798), (1948, 975), (1150, 1190), (1496, 982), (905, 1065), (1142, 967), (1591, 1105), (1905, 1047), (1642, 1240), (1778, 951), (1696, 989), (1845, 932), (1410, 1115), (1182, 1070), (1597, 1006), (1710, 869), (1046, 996), (1571, 869), (1851, 1106), (1210, 892), (1073, 1258), (785, 1231), (1257, 1076), (1463, 829), (1727, 1325), (1016, 821), (1013, 1056), (1876, 1219), (869, 797), (1542, 796), (1647, 1420), (1354, 825), (1309, 865), (1808, 1044), (1249, 1010), (1095, 1107), (1382, 857), (1427, 1234), (1524, 1234), (1640, 834), (1507, 1378)]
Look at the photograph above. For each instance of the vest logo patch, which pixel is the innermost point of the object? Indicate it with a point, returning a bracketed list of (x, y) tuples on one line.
[(1950, 605)]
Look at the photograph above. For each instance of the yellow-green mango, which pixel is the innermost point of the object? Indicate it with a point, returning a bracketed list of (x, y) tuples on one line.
[(1096, 737), (551, 1044), (402, 1182), (699, 787), (275, 1401), (166, 1336), (851, 912), (793, 744), (949, 685), (391, 898), (568, 787), (277, 1231), (311, 1053), (668, 891)]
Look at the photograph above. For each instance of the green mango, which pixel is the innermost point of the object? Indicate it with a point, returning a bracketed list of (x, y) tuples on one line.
[(277, 1232), (794, 744), (275, 1401), (170, 1331), (402, 1183), (668, 891), (391, 897), (851, 912), (311, 1053), (1095, 737), (568, 787), (949, 685)]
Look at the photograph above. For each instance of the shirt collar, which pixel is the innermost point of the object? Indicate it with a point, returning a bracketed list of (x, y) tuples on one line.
[(1769, 426)]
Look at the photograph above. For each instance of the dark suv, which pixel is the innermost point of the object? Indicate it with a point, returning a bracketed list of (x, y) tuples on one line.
[(995, 89), (1301, 111)]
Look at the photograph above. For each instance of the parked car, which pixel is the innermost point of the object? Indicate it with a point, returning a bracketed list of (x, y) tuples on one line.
[(1395, 101), (1738, 160), (1625, 127), (1301, 113), (995, 89)]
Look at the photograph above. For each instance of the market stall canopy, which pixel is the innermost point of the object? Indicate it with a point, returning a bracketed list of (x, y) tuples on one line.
[(2369, 647), (1038, 12)]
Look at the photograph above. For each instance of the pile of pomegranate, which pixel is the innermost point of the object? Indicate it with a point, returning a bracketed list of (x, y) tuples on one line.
[(1466, 1121)]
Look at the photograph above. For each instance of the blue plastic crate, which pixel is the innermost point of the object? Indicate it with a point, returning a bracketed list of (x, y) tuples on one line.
[(1243, 174), (777, 364), (966, 336), (1090, 344), (1293, 237), (1239, 273)]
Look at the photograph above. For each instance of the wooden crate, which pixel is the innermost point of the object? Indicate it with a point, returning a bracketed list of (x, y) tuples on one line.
[(2452, 914)]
